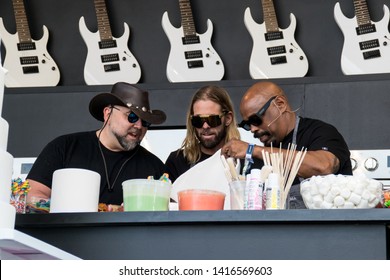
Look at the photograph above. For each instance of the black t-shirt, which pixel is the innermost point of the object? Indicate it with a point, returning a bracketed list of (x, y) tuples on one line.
[(81, 150), (317, 135)]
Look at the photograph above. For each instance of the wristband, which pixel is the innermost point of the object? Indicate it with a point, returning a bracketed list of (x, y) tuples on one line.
[(248, 158)]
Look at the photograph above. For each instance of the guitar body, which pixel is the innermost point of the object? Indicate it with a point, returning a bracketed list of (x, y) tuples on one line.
[(267, 59), (354, 60), (108, 65), (208, 67), (30, 67)]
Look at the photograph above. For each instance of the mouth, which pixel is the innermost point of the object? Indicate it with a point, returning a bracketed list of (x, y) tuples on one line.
[(133, 134), (263, 137)]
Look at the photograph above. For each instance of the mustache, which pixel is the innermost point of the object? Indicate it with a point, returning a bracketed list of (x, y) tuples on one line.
[(258, 135)]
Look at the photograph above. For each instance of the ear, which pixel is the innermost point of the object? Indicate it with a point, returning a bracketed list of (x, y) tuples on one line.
[(106, 112), (281, 103), (229, 118)]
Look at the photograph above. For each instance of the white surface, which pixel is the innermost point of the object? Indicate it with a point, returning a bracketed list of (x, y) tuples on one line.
[(4, 128), (7, 215), (2, 76), (22, 166), (75, 190), (15, 245), (6, 162)]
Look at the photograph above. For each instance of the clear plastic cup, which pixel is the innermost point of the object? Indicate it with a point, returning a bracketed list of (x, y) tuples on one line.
[(237, 195), (146, 195), (200, 199)]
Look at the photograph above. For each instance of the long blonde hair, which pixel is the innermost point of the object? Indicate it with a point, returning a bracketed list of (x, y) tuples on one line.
[(218, 95)]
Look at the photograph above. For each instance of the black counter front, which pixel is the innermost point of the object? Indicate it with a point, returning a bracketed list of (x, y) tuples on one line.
[(279, 234)]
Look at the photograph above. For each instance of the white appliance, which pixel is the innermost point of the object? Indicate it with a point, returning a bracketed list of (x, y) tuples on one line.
[(374, 164)]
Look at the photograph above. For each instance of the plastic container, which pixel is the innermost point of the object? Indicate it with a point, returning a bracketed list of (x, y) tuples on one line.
[(255, 191), (273, 192), (199, 199), (146, 195)]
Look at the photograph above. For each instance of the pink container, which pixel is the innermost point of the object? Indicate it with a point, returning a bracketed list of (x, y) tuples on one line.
[(197, 199)]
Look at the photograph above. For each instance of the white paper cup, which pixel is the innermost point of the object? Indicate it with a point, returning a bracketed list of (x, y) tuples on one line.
[(75, 190)]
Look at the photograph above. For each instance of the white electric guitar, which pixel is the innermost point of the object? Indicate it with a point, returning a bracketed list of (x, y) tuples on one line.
[(27, 60), (275, 53), (109, 59), (192, 57), (366, 47)]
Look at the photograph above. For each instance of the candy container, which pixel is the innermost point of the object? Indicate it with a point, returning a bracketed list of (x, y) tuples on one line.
[(19, 190)]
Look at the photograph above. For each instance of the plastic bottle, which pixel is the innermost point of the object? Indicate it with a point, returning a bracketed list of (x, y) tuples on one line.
[(255, 191), (273, 192)]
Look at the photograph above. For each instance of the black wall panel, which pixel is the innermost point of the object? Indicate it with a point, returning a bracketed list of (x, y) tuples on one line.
[(356, 105)]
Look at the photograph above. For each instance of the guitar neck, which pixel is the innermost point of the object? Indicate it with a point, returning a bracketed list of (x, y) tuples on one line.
[(361, 12), (102, 19), (271, 22), (187, 20), (21, 21)]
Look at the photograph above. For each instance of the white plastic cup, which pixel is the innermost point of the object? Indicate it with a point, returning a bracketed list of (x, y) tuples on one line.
[(75, 190), (146, 195), (237, 194)]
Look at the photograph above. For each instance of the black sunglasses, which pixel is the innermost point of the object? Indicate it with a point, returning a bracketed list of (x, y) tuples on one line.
[(133, 118), (211, 120), (256, 119)]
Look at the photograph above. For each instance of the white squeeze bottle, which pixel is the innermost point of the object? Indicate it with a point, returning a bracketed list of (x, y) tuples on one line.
[(255, 191), (273, 192)]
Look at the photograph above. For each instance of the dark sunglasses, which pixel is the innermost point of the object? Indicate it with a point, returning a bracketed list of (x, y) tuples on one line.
[(256, 119), (211, 120), (133, 118)]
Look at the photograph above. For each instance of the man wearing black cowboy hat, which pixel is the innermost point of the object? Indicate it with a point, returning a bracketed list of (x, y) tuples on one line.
[(114, 151)]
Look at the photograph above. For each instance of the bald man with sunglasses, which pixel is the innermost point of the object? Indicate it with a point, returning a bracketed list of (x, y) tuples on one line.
[(210, 124), (266, 112)]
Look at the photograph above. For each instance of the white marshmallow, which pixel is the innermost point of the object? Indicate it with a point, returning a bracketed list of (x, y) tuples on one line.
[(355, 198), (348, 205), (345, 193), (339, 201)]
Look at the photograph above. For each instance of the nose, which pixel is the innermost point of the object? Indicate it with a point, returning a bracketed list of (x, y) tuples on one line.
[(205, 125), (138, 123)]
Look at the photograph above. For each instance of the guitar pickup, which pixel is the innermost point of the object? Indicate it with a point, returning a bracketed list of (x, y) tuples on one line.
[(189, 40), (365, 29), (371, 54), (278, 60), (369, 44), (26, 46), (195, 64), (270, 36), (111, 67), (28, 60), (193, 54), (30, 69), (107, 44), (109, 57), (276, 50)]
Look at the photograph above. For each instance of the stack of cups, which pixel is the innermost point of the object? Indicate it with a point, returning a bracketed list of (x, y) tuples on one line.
[(7, 211)]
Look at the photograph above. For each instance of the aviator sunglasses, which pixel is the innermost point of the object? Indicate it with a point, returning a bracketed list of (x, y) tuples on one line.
[(133, 118), (256, 119), (211, 120)]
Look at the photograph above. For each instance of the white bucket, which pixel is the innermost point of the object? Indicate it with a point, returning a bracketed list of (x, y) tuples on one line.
[(75, 190)]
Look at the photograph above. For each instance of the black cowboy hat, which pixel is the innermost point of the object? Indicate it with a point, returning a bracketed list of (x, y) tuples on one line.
[(124, 94)]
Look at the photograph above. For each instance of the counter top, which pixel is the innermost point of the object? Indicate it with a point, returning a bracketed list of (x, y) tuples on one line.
[(217, 235), (365, 216)]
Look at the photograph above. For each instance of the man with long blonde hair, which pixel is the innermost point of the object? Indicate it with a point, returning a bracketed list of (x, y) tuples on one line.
[(210, 124)]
